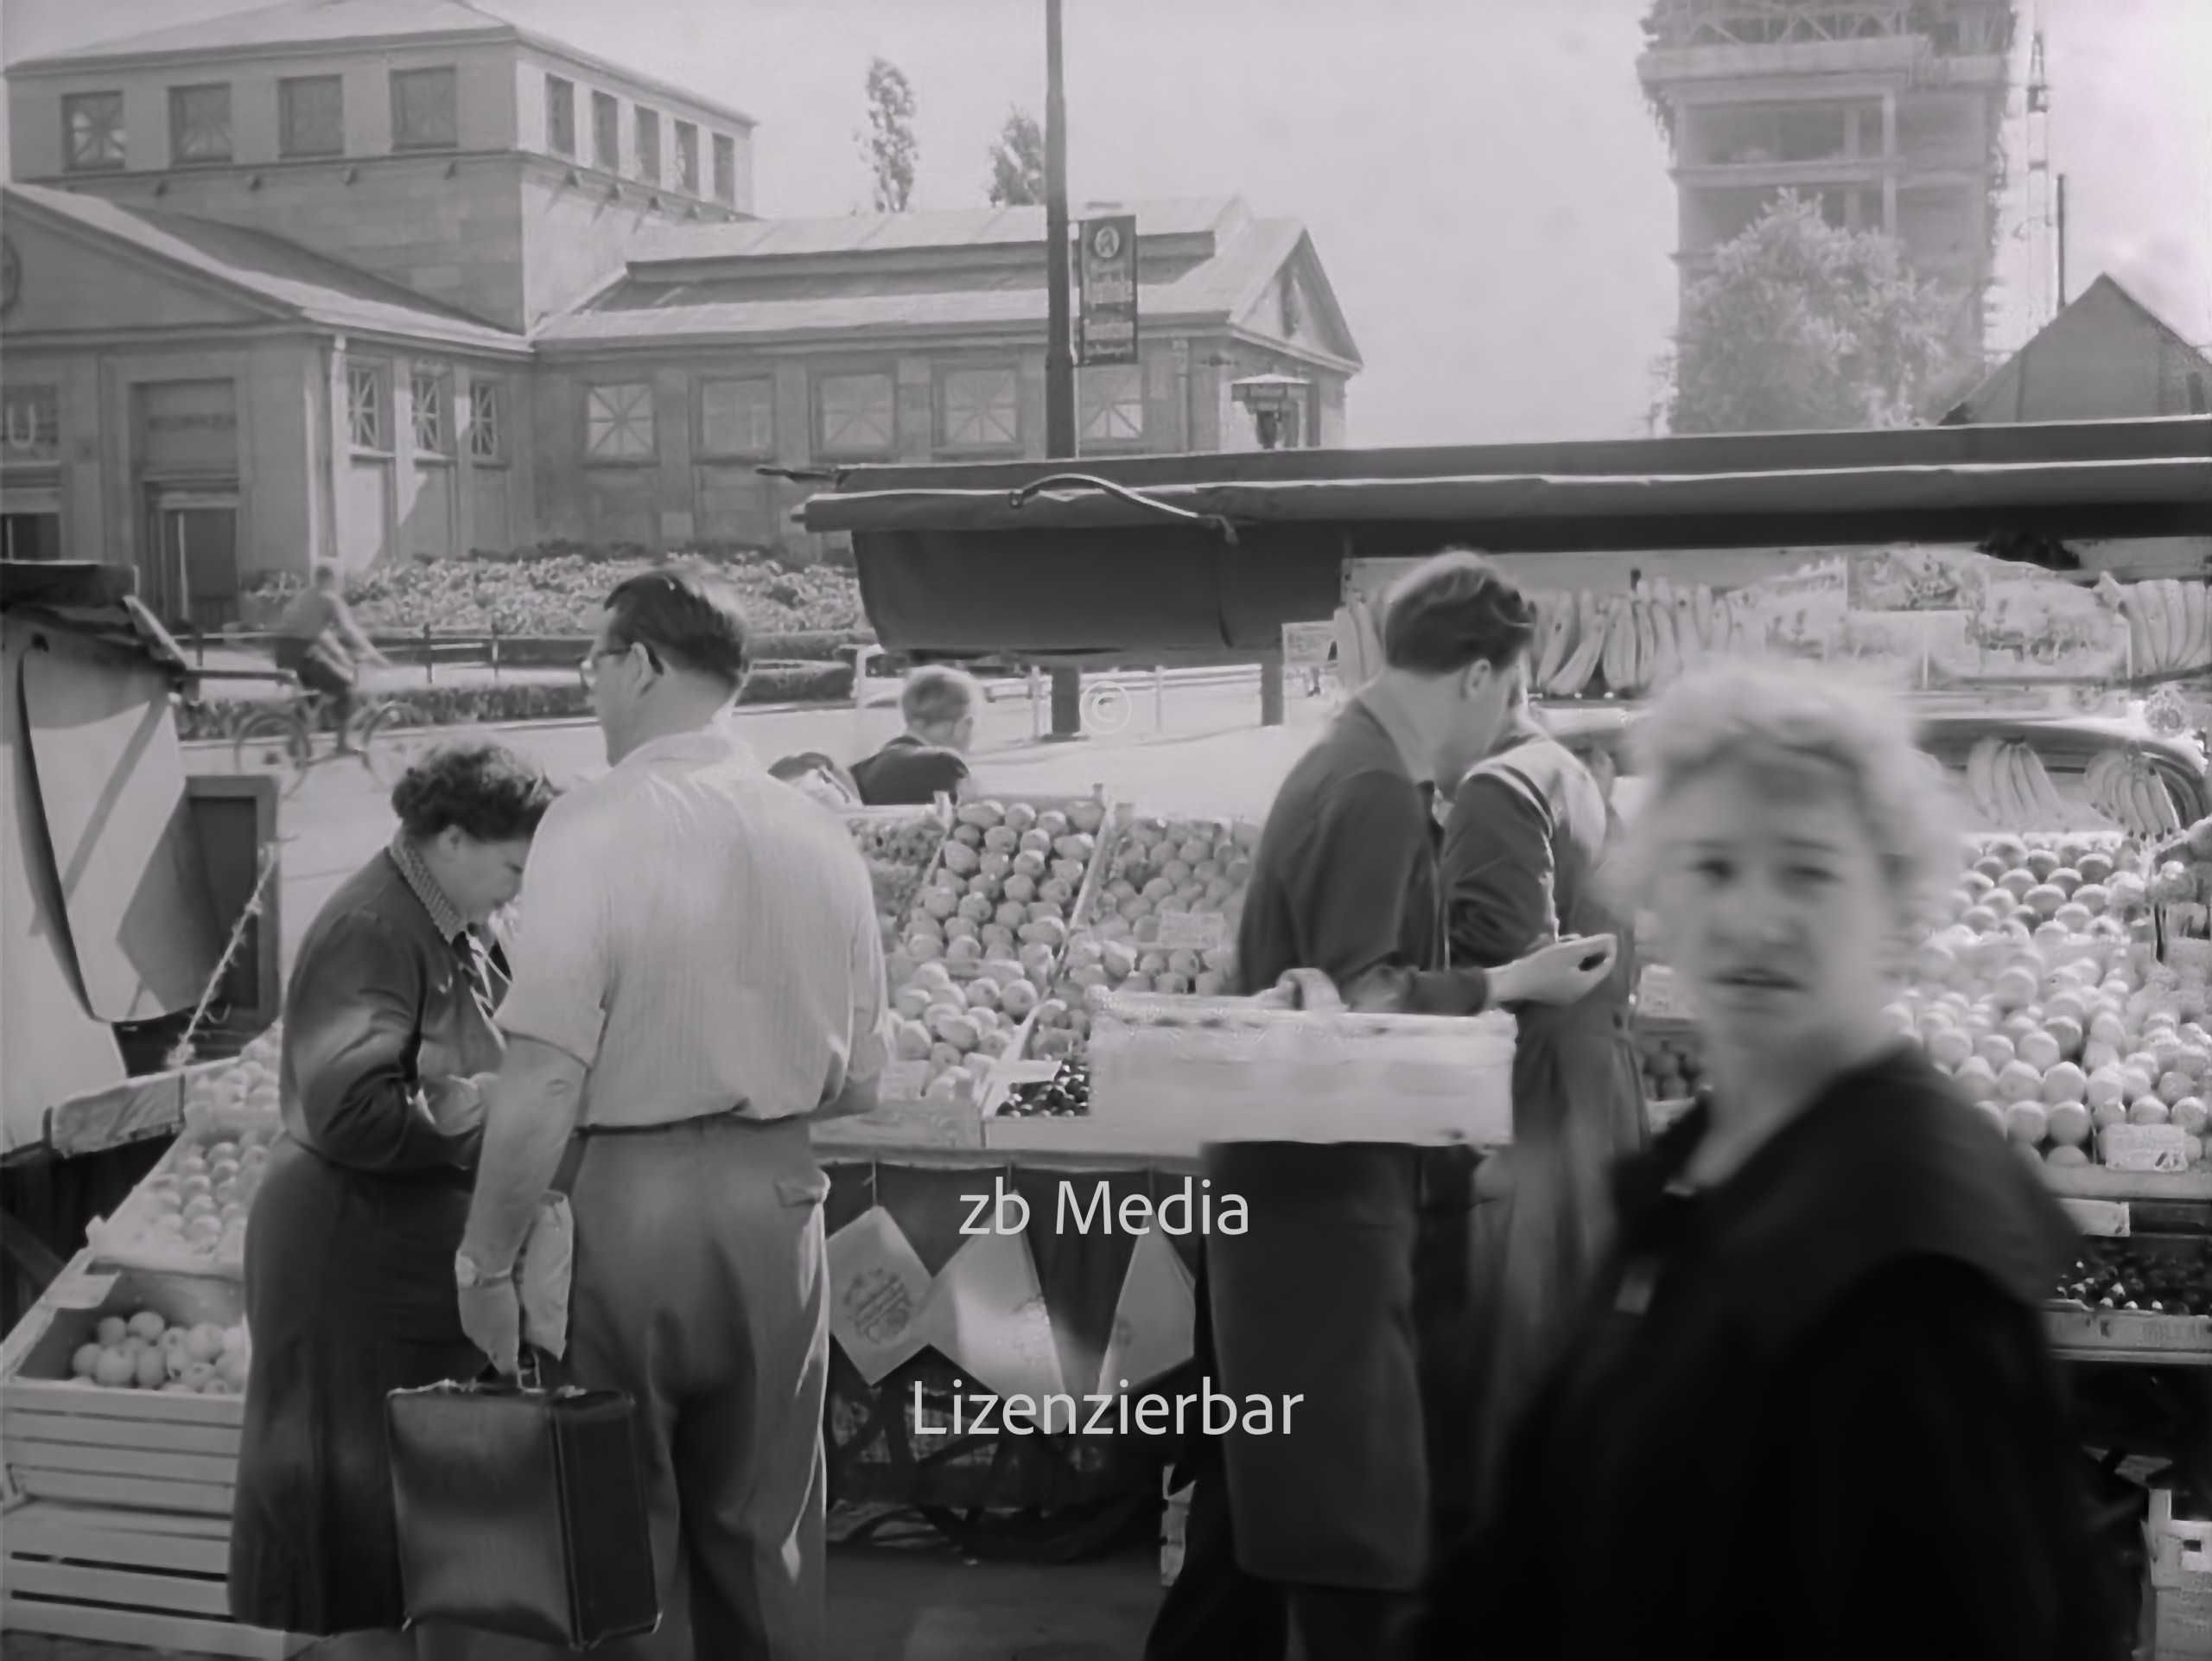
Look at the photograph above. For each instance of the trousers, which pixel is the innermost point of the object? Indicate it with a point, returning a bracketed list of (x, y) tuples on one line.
[(699, 1288)]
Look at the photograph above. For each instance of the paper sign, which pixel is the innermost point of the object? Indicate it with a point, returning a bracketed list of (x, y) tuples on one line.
[(986, 1313), (2104, 1218), (903, 1081), (1307, 646), (1153, 1322), (81, 1291), (2152, 1148), (1192, 930), (878, 1289), (1659, 996)]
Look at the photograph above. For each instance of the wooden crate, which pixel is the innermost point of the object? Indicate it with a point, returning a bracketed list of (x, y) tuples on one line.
[(121, 1449), (127, 1577)]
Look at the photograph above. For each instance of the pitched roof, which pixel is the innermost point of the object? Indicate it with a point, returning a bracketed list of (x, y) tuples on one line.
[(694, 283), (2105, 304), (273, 274), (295, 24)]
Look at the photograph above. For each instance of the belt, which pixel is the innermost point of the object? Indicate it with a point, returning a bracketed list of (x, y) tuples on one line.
[(669, 1124)]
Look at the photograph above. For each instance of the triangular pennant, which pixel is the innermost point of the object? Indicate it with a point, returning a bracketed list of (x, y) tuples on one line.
[(1153, 1318), (878, 1289), (987, 1314)]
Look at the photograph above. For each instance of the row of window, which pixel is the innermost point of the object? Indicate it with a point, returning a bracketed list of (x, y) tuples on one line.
[(425, 115), (368, 413), (857, 415), (561, 137)]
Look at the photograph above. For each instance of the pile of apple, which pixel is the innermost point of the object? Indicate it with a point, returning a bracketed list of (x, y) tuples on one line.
[(2043, 1002), (1007, 880), (960, 1027), (1164, 866), (1673, 1066), (196, 1205), (897, 854), (143, 1352)]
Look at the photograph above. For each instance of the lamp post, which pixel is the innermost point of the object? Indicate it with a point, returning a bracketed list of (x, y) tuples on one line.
[(1059, 337), (1274, 400)]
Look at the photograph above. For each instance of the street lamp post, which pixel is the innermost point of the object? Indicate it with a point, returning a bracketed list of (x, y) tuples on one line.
[(1059, 339)]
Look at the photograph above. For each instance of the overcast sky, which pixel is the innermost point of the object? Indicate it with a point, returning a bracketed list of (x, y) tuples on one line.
[(1484, 185)]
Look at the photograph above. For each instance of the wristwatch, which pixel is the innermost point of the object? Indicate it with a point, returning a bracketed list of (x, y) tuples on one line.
[(469, 1275)]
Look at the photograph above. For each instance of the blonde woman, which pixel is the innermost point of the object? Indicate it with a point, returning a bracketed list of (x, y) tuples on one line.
[(1812, 1411)]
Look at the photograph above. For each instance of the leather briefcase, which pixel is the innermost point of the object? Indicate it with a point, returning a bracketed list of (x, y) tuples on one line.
[(521, 1511)]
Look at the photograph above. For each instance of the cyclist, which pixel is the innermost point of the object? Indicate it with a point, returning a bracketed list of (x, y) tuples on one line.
[(319, 642)]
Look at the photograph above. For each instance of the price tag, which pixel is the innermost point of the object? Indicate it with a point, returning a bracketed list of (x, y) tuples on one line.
[(1192, 930), (1659, 996), (903, 1081), (2144, 1148), (2105, 1218), (1307, 646), (81, 1291)]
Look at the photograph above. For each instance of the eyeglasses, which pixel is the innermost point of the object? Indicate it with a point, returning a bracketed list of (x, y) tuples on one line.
[(590, 667)]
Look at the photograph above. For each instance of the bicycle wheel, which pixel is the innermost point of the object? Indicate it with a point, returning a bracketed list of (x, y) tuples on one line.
[(392, 739), (274, 744)]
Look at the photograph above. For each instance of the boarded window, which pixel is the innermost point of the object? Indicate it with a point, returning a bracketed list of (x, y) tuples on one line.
[(619, 422), (311, 113), (426, 403), (200, 124), (606, 132), (979, 409), (425, 109), (649, 145), (560, 116), (365, 427), (1112, 398), (725, 168), (486, 424), (856, 415), (91, 130), (687, 158), (738, 417)]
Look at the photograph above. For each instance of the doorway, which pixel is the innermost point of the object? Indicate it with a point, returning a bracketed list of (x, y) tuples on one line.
[(30, 536), (192, 579)]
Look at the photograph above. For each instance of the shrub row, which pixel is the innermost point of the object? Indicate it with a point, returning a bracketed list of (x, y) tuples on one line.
[(455, 706)]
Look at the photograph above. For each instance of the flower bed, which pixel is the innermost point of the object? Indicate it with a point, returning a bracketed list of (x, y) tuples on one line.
[(504, 700), (562, 594)]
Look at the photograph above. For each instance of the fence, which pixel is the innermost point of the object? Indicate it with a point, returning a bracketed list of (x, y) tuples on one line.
[(429, 647)]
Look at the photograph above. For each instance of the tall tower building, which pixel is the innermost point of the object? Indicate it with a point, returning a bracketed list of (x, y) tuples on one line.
[(1891, 113)]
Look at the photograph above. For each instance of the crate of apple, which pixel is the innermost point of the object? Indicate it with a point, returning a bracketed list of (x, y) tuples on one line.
[(1162, 869), (145, 1351), (1004, 887), (956, 1028), (899, 846)]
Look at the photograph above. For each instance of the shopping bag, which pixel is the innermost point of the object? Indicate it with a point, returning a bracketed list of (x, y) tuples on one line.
[(521, 1511)]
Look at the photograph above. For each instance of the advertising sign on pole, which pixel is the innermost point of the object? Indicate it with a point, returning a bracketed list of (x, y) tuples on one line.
[(1108, 331)]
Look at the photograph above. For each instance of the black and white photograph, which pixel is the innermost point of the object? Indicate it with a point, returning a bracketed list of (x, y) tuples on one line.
[(1047, 830)]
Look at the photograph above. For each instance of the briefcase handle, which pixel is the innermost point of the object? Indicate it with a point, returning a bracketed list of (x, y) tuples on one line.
[(535, 1371)]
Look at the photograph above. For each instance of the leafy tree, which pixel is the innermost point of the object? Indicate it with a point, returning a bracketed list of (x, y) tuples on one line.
[(1018, 164), (888, 146), (1802, 324)]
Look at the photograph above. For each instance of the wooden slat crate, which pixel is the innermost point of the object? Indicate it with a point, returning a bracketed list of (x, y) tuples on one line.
[(127, 1577)]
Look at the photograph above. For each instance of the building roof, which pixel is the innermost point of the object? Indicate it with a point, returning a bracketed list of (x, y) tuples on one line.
[(295, 25), (270, 273), (2106, 323), (937, 274)]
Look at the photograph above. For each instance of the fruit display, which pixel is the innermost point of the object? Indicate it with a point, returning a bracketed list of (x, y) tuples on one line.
[(1164, 920), (954, 1029), (2009, 783), (1672, 1065), (900, 850), (2168, 624), (145, 1351), (2127, 789), (2171, 1277), (190, 1213), (1065, 1095), (2042, 1001)]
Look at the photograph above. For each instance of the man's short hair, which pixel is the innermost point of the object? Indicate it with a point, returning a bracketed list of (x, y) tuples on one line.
[(325, 573), (1453, 612), (938, 696), (686, 615)]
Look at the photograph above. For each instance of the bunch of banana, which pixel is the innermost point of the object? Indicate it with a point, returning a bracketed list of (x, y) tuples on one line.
[(2009, 784), (2125, 788), (1635, 643), (1570, 635), (2169, 623), (1359, 643)]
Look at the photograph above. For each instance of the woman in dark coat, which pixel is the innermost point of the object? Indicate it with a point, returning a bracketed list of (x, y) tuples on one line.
[(349, 1278), (1526, 851), (1812, 1412)]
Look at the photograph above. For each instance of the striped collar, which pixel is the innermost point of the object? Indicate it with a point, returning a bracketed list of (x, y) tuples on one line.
[(445, 917)]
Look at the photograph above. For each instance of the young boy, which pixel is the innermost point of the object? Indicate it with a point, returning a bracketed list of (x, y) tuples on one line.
[(939, 705)]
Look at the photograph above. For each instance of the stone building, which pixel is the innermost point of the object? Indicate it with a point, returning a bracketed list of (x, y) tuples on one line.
[(1887, 112), (365, 279)]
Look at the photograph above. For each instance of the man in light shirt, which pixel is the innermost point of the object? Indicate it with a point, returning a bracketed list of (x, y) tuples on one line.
[(703, 976)]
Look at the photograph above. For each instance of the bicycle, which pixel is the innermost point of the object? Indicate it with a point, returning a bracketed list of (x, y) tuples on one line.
[(389, 736)]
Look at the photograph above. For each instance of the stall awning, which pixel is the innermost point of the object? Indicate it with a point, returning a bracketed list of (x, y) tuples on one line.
[(98, 602), (1216, 552)]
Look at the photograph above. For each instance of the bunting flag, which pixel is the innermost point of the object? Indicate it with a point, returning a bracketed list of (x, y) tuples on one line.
[(878, 1292), (1153, 1318), (986, 1315)]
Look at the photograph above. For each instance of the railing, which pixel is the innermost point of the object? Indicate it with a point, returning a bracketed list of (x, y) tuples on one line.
[(1962, 28), (430, 648)]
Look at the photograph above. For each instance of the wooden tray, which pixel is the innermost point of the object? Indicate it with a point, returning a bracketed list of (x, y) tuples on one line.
[(2119, 1335)]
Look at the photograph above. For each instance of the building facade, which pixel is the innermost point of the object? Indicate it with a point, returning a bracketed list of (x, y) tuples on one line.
[(1888, 113), (369, 279)]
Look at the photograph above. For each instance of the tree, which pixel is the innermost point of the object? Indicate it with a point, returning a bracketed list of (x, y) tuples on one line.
[(1802, 324), (1018, 164), (888, 146)]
